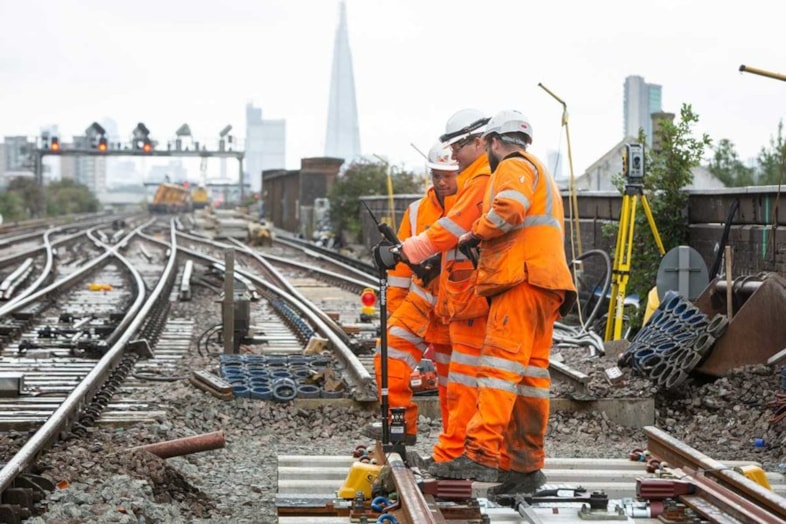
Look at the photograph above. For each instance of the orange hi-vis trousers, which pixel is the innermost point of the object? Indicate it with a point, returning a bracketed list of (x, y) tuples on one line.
[(509, 427), (406, 345), (462, 387)]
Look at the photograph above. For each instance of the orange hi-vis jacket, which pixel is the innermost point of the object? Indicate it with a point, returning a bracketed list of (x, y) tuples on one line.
[(522, 231), (444, 234), (410, 302)]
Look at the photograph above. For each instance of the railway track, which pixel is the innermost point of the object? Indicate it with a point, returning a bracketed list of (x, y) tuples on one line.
[(675, 484), (83, 350), (66, 392)]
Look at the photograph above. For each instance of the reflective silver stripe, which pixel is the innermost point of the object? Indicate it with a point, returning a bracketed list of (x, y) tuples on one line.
[(463, 379), (503, 365), (451, 227), (442, 358), (467, 360), (425, 295), (399, 282), (413, 216), (541, 220), (498, 221), (536, 372), (454, 255), (405, 357), (503, 385), (410, 337), (532, 392), (549, 196), (518, 196), (442, 381)]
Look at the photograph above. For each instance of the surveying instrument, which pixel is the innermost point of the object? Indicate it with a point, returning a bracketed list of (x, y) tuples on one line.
[(385, 257), (633, 172)]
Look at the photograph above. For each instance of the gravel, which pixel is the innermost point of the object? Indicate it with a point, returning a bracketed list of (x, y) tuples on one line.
[(101, 481)]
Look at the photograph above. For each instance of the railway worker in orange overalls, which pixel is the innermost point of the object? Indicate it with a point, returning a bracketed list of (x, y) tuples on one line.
[(413, 326), (524, 270), (457, 302)]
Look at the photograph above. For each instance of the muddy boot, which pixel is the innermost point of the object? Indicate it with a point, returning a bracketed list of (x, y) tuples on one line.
[(463, 468), (514, 482)]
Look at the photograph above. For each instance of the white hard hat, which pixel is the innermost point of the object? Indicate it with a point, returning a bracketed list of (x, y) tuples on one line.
[(463, 124), (440, 158), (509, 121)]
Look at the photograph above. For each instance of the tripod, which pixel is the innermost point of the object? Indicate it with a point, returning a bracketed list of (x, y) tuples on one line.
[(620, 272)]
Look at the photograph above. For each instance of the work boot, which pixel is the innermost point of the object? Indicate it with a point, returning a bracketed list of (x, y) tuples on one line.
[(515, 482), (416, 460), (463, 468), (374, 430)]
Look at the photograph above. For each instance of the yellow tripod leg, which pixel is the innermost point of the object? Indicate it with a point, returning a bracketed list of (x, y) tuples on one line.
[(648, 213), (621, 268)]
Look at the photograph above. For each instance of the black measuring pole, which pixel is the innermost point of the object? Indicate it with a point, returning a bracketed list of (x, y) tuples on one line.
[(383, 349)]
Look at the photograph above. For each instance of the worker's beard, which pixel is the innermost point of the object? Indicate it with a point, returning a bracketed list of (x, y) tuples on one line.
[(493, 161)]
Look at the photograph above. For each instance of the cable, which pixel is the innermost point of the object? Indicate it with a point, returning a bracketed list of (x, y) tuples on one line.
[(587, 323)]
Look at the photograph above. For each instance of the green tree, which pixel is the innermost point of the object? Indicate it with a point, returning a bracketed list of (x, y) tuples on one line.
[(364, 178), (12, 207), (668, 172), (726, 165), (31, 195), (772, 160), (67, 197)]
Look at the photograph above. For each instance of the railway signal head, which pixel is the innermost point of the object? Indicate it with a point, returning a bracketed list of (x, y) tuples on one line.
[(102, 144), (54, 144)]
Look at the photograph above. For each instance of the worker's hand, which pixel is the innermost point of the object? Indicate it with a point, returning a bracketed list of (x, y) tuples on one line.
[(402, 253), (385, 255), (468, 240)]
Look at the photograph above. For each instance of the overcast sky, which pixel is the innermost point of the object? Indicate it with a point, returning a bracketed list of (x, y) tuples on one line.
[(416, 62)]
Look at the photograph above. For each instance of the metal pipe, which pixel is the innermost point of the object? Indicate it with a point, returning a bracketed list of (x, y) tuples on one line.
[(762, 72), (185, 446)]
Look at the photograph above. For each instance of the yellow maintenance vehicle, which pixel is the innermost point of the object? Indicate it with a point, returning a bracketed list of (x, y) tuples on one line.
[(200, 198), (171, 198)]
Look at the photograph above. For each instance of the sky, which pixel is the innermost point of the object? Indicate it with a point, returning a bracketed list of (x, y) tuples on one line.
[(416, 62)]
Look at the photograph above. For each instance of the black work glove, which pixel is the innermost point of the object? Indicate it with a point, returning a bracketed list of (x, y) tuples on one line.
[(386, 255), (429, 269)]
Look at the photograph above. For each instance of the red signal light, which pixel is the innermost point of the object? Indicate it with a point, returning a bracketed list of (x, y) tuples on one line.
[(368, 297), (147, 147), (185, 184)]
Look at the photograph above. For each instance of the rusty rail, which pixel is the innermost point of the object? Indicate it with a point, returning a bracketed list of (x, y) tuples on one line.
[(730, 491)]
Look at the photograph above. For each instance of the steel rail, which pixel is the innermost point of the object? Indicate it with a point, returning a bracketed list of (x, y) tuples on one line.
[(33, 251), (364, 283), (45, 272), (678, 454), (362, 386), (286, 285), (368, 282), (67, 413), (413, 505), (361, 268)]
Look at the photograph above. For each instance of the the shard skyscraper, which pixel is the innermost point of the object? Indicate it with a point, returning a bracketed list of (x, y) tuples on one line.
[(342, 139)]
